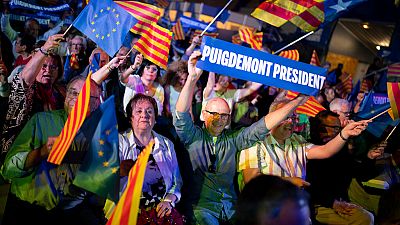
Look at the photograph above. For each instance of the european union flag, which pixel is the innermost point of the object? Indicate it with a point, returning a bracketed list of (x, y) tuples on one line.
[(99, 172), (213, 11), (335, 8), (378, 126), (105, 23), (95, 65)]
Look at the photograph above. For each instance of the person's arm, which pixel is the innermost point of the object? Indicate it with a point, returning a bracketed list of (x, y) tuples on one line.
[(210, 85), (250, 173), (34, 65), (125, 75), (190, 49), (337, 143), (276, 117), (37, 155), (185, 97), (6, 27), (104, 71), (244, 92)]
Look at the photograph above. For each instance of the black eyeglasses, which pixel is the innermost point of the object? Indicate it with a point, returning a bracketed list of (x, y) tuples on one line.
[(223, 116), (213, 167), (335, 128)]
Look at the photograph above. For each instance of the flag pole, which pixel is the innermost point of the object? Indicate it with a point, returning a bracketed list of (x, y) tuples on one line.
[(67, 30), (376, 71), (391, 132), (212, 21), (293, 42), (129, 52), (380, 114)]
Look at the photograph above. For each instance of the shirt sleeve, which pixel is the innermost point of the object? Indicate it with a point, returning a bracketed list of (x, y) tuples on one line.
[(185, 128), (251, 158), (7, 29), (250, 135), (176, 183)]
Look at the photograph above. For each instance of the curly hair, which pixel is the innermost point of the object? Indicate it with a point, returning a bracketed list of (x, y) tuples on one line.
[(170, 77)]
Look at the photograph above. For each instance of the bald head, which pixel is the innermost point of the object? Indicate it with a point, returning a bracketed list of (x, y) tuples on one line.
[(218, 105)]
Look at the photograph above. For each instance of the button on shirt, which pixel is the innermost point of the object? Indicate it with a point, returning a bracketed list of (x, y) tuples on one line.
[(215, 191)]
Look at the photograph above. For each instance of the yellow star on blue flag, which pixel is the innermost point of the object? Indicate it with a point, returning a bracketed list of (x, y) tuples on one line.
[(99, 170), (99, 18)]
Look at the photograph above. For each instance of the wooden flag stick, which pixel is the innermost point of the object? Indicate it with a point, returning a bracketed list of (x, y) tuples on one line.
[(380, 114), (293, 42), (391, 132), (129, 52), (212, 21), (67, 30)]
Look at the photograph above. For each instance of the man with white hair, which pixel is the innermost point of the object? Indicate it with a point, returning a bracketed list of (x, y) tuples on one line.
[(342, 108)]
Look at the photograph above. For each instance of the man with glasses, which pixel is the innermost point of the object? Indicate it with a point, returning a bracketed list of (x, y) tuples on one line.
[(330, 178), (341, 107), (285, 154), (212, 150), (41, 192)]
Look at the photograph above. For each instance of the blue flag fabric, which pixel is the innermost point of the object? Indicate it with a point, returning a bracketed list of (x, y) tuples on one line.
[(213, 11), (191, 23), (105, 23), (95, 65), (331, 78), (99, 172), (353, 95), (335, 8), (248, 64), (378, 126)]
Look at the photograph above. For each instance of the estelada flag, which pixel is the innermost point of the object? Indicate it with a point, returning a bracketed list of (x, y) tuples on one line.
[(127, 209), (311, 108)]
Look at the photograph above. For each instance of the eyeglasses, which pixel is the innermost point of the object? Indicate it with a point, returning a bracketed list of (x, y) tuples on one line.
[(335, 128), (76, 44), (223, 116), (73, 93), (293, 118), (50, 67), (152, 69)]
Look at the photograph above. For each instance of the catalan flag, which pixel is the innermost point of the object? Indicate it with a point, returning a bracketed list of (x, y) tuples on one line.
[(146, 14), (105, 23), (311, 18), (394, 97), (345, 85), (278, 12), (162, 3), (290, 54), (126, 211), (177, 30), (72, 125), (198, 32), (365, 86), (393, 73), (154, 45), (314, 59), (73, 62), (311, 108), (249, 36)]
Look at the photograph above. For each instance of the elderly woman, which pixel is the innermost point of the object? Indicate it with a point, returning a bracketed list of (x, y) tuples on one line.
[(33, 90), (145, 82), (162, 182)]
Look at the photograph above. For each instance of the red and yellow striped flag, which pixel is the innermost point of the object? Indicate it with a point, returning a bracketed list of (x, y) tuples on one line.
[(145, 14), (314, 59), (365, 86), (177, 30), (311, 108), (127, 209), (250, 37), (163, 3), (345, 85), (72, 125), (394, 98), (290, 54), (278, 12), (154, 45), (310, 19), (393, 73), (198, 32)]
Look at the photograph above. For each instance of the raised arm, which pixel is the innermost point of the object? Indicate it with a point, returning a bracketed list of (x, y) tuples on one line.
[(276, 117), (103, 72), (185, 97), (249, 90), (210, 85), (33, 67), (138, 61), (336, 144)]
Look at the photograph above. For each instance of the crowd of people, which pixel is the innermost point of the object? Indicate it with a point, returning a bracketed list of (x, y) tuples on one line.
[(225, 151)]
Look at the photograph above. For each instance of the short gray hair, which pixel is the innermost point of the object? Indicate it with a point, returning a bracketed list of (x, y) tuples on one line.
[(336, 104)]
